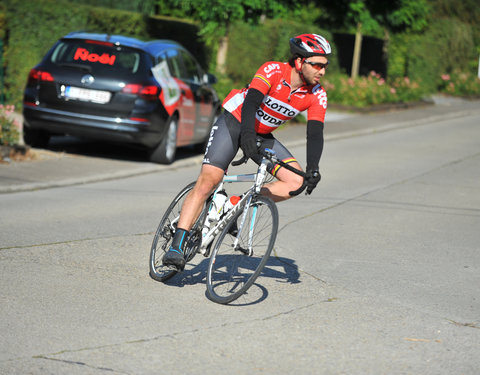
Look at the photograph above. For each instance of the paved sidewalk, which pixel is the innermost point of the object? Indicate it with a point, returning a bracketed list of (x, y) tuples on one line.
[(55, 169)]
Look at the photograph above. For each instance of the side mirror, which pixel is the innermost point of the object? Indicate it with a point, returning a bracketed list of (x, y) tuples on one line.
[(209, 78)]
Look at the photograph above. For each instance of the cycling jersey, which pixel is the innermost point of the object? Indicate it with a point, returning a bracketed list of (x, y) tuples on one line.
[(280, 103)]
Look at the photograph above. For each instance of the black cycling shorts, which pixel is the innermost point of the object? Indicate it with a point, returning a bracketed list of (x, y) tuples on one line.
[(224, 143)]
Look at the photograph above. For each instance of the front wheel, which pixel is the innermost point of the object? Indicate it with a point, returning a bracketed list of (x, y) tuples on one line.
[(235, 265)]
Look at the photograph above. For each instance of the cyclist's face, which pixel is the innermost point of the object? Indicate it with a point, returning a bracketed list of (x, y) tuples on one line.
[(314, 68)]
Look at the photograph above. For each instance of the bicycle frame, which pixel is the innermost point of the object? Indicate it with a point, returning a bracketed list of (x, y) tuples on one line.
[(258, 179)]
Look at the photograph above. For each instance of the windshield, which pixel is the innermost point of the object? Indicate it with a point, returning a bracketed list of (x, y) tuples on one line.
[(99, 57)]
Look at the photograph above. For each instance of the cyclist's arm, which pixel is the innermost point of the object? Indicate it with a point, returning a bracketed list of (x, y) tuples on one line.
[(252, 102), (314, 144)]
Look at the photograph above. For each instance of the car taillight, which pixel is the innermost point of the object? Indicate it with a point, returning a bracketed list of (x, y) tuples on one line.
[(149, 92), (100, 43), (36, 76)]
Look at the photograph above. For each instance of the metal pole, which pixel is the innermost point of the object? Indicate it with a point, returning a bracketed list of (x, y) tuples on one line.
[(357, 51), (478, 66)]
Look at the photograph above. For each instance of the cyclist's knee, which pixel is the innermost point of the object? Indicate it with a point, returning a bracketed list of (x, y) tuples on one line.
[(208, 179)]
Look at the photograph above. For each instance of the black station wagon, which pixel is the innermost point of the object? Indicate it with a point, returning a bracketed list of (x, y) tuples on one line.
[(114, 88)]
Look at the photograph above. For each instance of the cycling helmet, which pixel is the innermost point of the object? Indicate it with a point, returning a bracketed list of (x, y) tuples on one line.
[(307, 45)]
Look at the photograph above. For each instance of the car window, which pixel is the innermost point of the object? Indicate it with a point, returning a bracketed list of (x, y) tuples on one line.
[(99, 57), (161, 73), (191, 68), (174, 63)]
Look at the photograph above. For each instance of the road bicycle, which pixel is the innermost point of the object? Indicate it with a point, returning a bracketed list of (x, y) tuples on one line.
[(238, 241)]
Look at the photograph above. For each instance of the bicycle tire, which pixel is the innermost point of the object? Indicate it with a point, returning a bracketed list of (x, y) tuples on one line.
[(164, 236), (230, 271)]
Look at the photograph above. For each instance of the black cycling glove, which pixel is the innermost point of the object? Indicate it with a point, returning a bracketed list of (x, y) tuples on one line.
[(248, 142), (312, 178)]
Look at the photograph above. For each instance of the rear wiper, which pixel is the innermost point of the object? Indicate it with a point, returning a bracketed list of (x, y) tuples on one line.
[(87, 68)]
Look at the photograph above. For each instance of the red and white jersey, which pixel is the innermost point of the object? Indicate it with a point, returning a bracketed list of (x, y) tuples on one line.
[(280, 103)]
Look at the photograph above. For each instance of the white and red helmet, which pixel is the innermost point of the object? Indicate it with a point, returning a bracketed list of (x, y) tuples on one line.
[(307, 45)]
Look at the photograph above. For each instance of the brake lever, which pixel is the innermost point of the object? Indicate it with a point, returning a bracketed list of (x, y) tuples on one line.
[(242, 160), (299, 190)]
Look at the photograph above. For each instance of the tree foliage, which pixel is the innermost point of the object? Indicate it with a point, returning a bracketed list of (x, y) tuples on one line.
[(375, 15), (217, 16)]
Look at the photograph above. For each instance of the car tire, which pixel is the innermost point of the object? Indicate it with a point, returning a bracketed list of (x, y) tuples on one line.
[(165, 152), (35, 137)]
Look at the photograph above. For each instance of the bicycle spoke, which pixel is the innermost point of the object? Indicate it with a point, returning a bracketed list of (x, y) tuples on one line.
[(164, 236), (233, 267)]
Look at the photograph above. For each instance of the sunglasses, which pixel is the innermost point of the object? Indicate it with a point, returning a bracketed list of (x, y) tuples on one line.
[(317, 65)]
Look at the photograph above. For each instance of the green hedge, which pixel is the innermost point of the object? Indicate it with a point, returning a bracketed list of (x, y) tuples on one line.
[(33, 26), (447, 46)]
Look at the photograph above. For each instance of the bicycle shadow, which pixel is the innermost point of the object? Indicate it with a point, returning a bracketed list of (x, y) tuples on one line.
[(278, 269)]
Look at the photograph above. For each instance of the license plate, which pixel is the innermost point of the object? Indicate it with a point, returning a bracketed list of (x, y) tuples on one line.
[(95, 96)]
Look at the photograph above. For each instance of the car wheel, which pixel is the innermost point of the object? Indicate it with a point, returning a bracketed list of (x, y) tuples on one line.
[(165, 152), (35, 137)]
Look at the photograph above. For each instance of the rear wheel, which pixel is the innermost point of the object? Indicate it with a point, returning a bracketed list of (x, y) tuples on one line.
[(164, 236), (165, 152), (35, 137), (235, 265)]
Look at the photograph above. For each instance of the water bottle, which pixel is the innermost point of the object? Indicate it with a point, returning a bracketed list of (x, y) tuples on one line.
[(215, 211), (231, 202), (218, 202)]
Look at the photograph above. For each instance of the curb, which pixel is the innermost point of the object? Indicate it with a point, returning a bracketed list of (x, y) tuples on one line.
[(385, 107), (134, 171)]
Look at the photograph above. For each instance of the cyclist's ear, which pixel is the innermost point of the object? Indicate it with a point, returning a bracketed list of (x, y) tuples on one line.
[(298, 64)]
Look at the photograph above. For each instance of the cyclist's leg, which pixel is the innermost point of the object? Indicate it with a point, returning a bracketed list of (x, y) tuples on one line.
[(221, 150), (287, 181), (210, 176)]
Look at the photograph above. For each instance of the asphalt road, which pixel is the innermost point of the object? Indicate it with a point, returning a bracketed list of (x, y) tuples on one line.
[(377, 272)]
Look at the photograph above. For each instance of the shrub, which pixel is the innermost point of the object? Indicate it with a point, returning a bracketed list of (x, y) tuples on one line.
[(460, 84), (445, 46), (33, 27), (371, 90), (9, 128)]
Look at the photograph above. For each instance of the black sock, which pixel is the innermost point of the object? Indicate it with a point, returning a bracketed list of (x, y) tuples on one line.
[(179, 239)]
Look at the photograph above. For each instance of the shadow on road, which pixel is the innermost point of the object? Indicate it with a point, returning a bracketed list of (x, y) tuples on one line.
[(279, 269), (108, 150)]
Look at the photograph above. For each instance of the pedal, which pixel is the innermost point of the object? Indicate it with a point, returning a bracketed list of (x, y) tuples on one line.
[(171, 267)]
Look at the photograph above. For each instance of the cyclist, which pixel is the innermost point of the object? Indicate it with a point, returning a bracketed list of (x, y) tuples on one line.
[(277, 93)]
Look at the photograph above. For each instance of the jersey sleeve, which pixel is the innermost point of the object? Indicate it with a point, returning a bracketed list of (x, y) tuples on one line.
[(318, 105), (266, 76)]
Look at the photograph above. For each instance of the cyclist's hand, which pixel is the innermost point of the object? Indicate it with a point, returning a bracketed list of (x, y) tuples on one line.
[(248, 143), (312, 178)]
